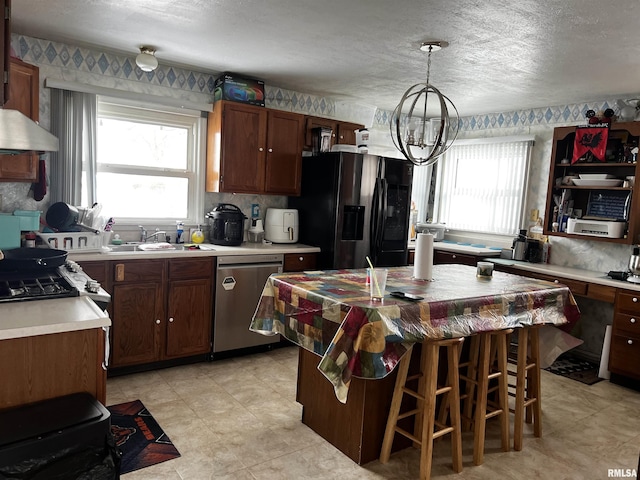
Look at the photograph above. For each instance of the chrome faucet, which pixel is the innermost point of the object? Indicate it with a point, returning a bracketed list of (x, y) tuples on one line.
[(144, 237)]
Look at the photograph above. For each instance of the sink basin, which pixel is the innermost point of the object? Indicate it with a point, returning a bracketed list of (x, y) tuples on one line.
[(125, 247), (158, 247)]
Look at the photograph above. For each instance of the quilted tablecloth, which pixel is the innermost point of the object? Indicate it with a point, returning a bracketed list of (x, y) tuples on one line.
[(330, 313)]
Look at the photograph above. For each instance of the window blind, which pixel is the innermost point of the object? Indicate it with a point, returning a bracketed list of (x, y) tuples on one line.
[(482, 186)]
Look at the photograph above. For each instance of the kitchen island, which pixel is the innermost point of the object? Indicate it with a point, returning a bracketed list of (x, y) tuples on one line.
[(51, 348), (356, 344)]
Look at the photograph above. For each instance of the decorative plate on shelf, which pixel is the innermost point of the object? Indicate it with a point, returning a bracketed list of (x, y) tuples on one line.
[(597, 183)]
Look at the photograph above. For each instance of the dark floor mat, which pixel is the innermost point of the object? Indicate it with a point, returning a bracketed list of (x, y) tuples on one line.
[(576, 369)]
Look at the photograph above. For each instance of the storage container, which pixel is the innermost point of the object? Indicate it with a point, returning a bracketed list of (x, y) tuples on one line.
[(29, 220), (64, 434), (230, 86), (9, 231)]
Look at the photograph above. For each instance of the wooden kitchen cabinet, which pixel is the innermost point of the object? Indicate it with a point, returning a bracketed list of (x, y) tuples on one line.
[(592, 199), (24, 97), (254, 150), (624, 354), (189, 307), (161, 310), (442, 257), (138, 312), (342, 132), (49, 366), (297, 262)]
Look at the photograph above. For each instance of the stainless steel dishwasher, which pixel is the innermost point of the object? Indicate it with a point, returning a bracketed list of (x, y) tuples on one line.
[(240, 280)]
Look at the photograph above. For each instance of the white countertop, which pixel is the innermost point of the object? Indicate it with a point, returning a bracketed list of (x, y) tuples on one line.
[(468, 248), (211, 251), (579, 274), (43, 317)]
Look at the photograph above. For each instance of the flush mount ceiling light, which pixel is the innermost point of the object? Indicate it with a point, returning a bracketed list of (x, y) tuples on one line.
[(427, 130), (146, 59)]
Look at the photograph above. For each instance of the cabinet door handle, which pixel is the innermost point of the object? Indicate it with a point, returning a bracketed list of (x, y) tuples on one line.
[(633, 320), (119, 272), (158, 322), (105, 362), (261, 149), (630, 342), (556, 281), (454, 256), (270, 150), (635, 299), (170, 319), (301, 259)]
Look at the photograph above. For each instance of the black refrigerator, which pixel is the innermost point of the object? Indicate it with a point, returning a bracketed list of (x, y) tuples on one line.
[(354, 205)]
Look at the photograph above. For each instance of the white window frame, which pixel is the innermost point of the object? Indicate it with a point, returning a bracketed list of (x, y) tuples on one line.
[(421, 191), (523, 186), (109, 107)]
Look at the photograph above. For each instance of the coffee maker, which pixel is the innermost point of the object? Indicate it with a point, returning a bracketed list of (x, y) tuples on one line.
[(634, 266)]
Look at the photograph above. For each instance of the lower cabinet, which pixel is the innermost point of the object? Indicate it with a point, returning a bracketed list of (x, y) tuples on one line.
[(29, 365), (160, 310), (624, 356), (441, 257), (297, 262)]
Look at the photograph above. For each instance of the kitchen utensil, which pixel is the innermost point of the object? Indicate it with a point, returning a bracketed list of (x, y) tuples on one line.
[(32, 259), (618, 275), (65, 218), (226, 225), (634, 266), (255, 234), (520, 246)]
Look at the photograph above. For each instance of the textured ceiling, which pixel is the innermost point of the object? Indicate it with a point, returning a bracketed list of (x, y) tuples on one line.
[(502, 55)]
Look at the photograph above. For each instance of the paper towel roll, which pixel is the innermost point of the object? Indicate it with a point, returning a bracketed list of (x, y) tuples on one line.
[(423, 260)]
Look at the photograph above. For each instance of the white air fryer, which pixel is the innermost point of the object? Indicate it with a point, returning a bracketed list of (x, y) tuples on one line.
[(281, 225)]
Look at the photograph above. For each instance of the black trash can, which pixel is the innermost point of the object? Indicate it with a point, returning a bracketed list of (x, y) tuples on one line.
[(65, 438)]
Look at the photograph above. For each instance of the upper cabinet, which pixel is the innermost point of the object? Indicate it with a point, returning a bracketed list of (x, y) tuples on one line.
[(23, 96), (254, 150), (341, 132), (590, 195)]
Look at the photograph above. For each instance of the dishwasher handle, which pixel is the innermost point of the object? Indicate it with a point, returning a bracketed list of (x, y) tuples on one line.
[(243, 266)]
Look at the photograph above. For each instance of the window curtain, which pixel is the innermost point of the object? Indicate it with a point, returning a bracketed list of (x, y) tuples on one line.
[(482, 186), (73, 121)]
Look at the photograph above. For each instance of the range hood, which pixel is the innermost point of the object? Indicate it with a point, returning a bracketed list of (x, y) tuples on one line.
[(19, 134)]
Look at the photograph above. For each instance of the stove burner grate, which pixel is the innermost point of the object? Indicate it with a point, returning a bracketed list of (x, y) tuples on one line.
[(40, 286)]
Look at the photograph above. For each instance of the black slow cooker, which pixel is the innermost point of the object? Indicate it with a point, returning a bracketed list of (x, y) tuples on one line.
[(226, 225)]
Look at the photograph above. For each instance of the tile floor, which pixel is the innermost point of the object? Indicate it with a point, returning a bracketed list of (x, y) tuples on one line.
[(238, 419)]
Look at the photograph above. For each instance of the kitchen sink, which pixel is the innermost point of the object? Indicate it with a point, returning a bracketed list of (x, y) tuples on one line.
[(157, 247)]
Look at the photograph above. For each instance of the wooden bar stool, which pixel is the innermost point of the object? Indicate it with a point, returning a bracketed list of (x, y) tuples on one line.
[(528, 404), (488, 360), (426, 428)]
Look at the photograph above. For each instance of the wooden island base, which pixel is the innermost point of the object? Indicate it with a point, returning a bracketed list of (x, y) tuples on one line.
[(355, 428)]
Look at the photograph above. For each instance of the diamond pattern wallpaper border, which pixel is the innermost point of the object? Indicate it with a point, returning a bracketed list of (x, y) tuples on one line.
[(38, 52)]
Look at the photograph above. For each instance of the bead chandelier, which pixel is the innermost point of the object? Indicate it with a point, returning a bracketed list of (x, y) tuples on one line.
[(427, 131)]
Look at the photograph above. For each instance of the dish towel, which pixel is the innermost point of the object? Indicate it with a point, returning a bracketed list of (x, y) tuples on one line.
[(40, 187)]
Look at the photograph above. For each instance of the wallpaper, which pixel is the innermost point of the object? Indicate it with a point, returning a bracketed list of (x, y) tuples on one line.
[(118, 71)]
